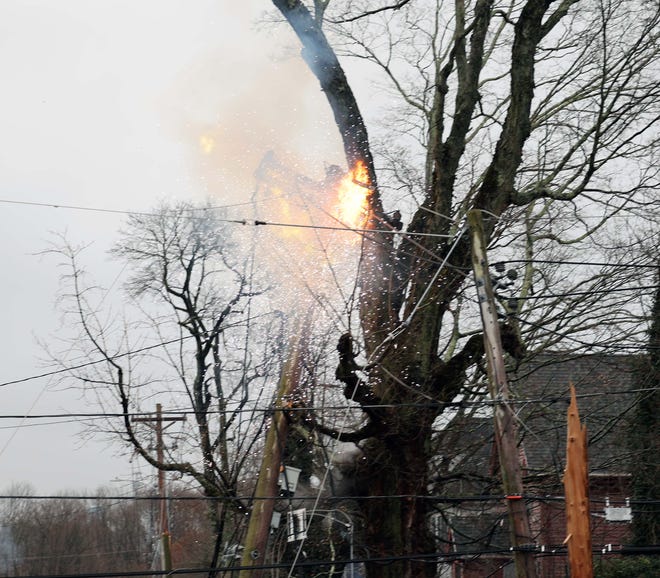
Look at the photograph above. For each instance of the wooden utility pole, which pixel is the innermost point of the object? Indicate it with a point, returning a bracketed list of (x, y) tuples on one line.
[(165, 537), (576, 488), (506, 431), (266, 490)]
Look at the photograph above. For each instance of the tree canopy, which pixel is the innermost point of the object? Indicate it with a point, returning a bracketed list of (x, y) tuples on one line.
[(542, 116)]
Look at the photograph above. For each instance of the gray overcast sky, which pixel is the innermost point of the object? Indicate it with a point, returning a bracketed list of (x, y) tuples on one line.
[(117, 104)]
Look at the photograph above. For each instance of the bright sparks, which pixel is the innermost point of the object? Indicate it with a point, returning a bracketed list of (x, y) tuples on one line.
[(353, 196)]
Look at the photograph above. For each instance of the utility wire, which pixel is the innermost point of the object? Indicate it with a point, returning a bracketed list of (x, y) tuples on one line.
[(580, 293), (555, 398), (104, 359), (428, 498), (202, 208), (608, 346), (434, 557), (252, 222), (125, 211), (256, 222), (629, 348), (590, 263), (43, 389), (94, 362)]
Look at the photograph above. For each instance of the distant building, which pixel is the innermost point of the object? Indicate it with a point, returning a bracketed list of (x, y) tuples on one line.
[(603, 385)]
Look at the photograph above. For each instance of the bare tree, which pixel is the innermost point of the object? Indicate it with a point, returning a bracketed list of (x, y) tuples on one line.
[(74, 534), (67, 535), (187, 339), (543, 115)]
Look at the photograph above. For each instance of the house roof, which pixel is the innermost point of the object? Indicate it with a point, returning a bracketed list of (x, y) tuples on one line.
[(603, 385), (540, 393)]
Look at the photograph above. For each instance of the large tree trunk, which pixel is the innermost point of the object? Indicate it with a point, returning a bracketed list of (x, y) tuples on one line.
[(394, 468), (403, 359)]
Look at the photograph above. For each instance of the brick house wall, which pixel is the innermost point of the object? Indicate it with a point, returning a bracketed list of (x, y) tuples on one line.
[(543, 456), (552, 528)]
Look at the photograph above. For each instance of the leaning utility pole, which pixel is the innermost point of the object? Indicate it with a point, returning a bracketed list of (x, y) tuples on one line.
[(506, 431), (266, 490), (165, 537)]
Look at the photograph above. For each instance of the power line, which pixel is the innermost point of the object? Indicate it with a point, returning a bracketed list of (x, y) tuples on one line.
[(589, 263), (257, 222), (556, 398), (122, 211), (630, 348), (79, 555), (43, 389), (609, 346), (427, 498), (107, 358), (433, 557), (591, 292), (94, 362), (73, 207), (251, 222), (26, 425)]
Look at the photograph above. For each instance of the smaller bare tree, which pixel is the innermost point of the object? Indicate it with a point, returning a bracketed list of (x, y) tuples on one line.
[(187, 340)]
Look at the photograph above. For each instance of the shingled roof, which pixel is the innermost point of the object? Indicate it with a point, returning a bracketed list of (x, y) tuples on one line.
[(540, 393), (603, 384)]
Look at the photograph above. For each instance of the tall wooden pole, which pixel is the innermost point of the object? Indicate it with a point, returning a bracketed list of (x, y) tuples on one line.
[(576, 488), (266, 490), (165, 537), (506, 431)]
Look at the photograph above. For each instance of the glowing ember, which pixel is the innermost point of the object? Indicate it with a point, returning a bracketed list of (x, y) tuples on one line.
[(352, 197), (206, 144)]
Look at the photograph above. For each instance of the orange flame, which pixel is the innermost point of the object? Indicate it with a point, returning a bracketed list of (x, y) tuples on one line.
[(353, 196)]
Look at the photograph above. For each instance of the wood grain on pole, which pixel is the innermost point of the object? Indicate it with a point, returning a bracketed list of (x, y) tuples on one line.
[(576, 487)]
